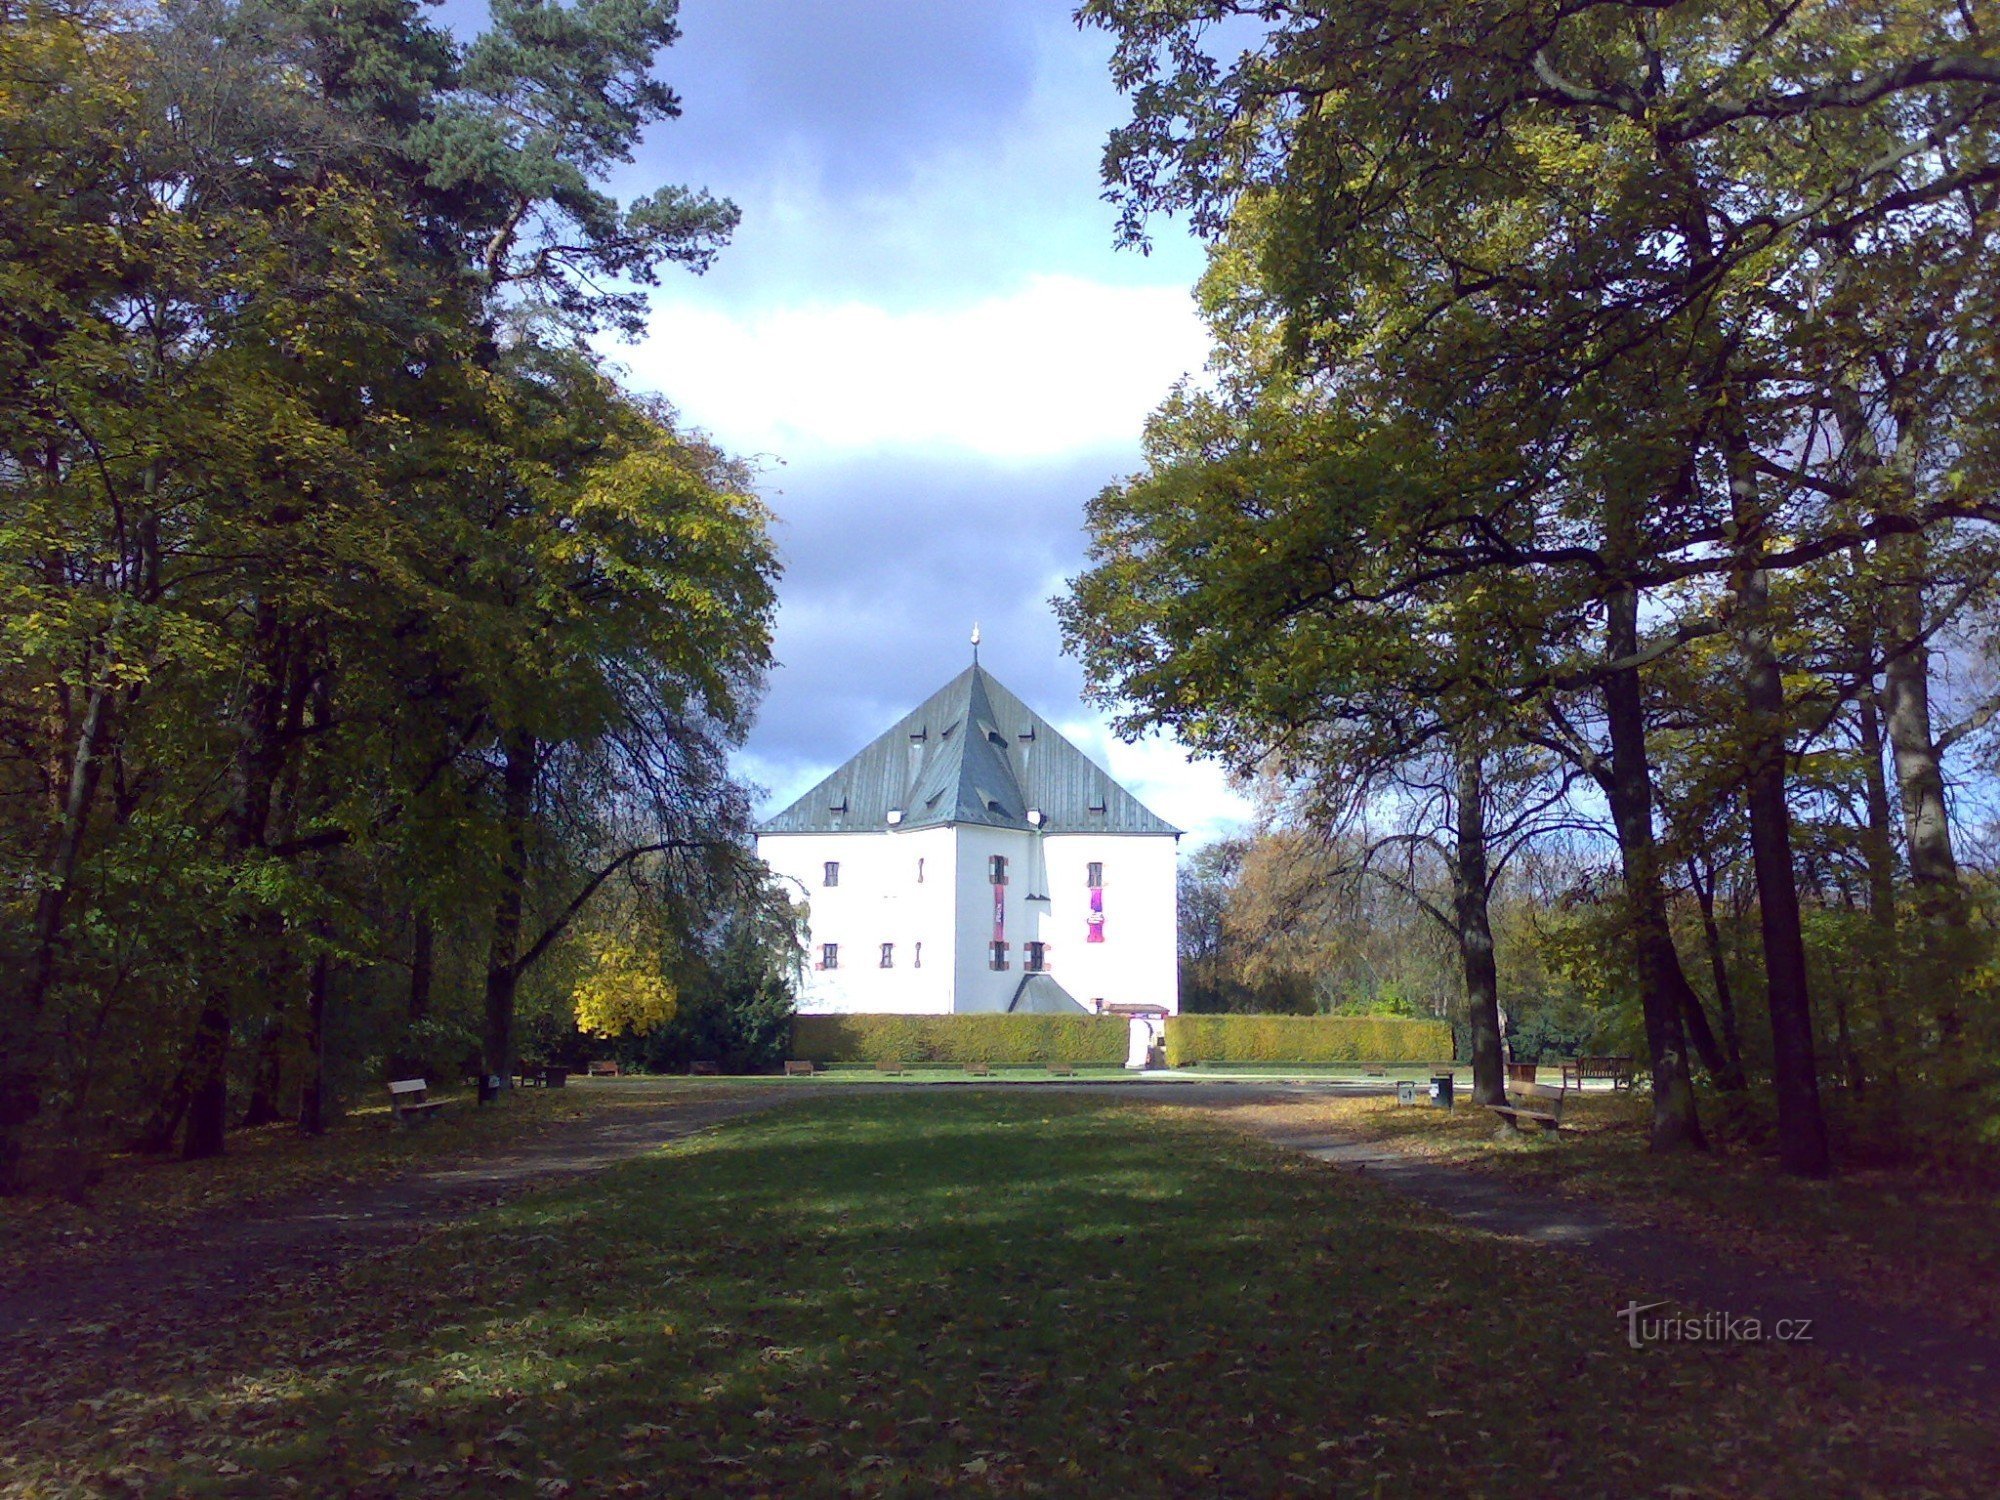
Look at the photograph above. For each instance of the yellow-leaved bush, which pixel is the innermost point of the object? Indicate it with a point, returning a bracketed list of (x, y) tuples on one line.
[(1085, 1041), (624, 991), (1305, 1039)]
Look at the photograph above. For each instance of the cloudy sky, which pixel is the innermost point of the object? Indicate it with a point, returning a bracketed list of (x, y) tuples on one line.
[(923, 331)]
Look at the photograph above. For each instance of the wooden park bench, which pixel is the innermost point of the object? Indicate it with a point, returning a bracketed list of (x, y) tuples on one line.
[(1617, 1069), (1536, 1102), (604, 1067), (1061, 1070), (888, 1065), (406, 1097), (705, 1069), (798, 1069), (978, 1070)]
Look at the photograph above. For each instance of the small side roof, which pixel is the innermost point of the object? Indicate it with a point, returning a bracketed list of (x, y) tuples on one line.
[(970, 753)]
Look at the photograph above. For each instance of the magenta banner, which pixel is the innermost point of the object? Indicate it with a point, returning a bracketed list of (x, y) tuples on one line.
[(1096, 914)]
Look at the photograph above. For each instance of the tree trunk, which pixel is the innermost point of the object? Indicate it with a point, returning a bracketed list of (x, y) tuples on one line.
[(21, 1055), (252, 781), (1722, 1071), (1663, 987), (503, 972), (423, 963), (1878, 846), (208, 1095), (1802, 1142), (1475, 937), (267, 1076), (1937, 898), (1718, 968), (312, 1086)]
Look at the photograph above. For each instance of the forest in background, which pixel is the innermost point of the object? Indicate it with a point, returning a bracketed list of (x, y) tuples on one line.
[(1586, 527), (369, 656)]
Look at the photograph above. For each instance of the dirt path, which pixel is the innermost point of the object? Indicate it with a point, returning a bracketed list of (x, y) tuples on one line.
[(1649, 1265), (218, 1261)]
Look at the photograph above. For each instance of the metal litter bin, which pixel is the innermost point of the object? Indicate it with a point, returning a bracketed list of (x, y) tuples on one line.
[(1406, 1091), (1441, 1090), (555, 1078), (489, 1087)]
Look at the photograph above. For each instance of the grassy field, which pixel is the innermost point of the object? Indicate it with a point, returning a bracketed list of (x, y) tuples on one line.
[(142, 1197), (1012, 1291), (1920, 1236)]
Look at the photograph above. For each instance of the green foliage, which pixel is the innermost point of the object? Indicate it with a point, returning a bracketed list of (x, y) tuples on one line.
[(1086, 1041), (1304, 1039), (344, 593)]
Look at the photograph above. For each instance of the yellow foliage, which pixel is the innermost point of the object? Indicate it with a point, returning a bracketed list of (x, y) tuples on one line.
[(622, 992), (1305, 1039)]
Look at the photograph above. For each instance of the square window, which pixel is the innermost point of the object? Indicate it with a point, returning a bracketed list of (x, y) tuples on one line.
[(1095, 879), (832, 873), (999, 955), (1036, 958), (829, 955), (888, 955)]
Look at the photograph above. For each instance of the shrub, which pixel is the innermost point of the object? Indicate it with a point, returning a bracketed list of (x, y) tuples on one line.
[(1085, 1041), (1304, 1039)]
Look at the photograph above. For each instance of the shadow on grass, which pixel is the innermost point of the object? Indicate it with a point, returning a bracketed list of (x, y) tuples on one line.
[(898, 1295)]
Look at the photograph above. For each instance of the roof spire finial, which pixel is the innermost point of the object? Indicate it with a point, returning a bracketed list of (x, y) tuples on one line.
[(975, 643)]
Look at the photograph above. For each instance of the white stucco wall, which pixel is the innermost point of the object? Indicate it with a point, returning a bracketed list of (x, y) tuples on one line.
[(879, 899), (1135, 964)]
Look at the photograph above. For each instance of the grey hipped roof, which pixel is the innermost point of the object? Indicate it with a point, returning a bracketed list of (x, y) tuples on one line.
[(1041, 995), (970, 753)]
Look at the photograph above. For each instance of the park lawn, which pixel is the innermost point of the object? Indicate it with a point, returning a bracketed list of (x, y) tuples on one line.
[(1915, 1237), (1011, 1291), (143, 1197)]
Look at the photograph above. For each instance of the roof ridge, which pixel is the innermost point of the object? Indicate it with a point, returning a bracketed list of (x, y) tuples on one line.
[(972, 752)]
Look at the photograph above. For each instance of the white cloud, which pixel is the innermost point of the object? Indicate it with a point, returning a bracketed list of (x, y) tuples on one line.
[(1063, 365), (1195, 796)]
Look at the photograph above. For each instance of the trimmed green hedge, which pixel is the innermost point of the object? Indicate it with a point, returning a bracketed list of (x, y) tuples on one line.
[(1304, 1039), (1085, 1041)]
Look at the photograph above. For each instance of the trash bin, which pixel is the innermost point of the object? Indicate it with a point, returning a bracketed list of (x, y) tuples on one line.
[(555, 1078), (489, 1087), (1406, 1091), (1441, 1090)]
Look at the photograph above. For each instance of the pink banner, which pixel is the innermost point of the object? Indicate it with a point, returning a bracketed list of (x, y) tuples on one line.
[(1096, 914)]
